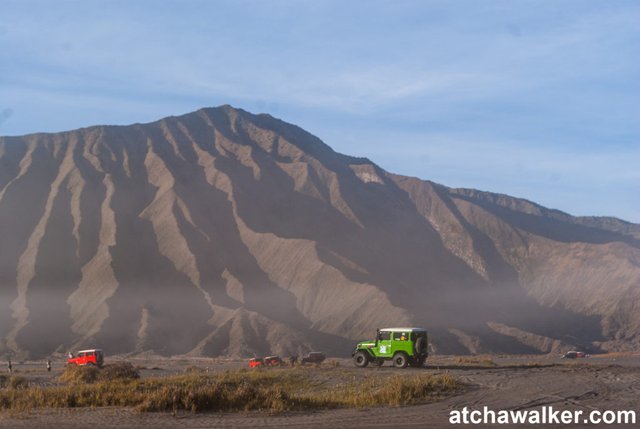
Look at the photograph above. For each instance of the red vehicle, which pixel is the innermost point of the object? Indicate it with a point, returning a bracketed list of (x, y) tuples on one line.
[(255, 362), (273, 361), (93, 357)]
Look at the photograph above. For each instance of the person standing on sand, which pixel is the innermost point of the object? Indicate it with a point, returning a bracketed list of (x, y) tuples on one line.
[(48, 365), (9, 367)]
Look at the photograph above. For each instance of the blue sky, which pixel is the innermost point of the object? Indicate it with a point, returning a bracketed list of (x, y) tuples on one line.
[(537, 99)]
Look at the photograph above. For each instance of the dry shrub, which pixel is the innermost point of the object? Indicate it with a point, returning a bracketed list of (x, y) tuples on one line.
[(399, 390), (17, 382), (119, 371), (476, 361), (90, 374), (217, 395), (13, 382), (74, 374), (273, 391)]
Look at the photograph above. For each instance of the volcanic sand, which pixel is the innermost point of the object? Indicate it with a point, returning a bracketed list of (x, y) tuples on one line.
[(610, 382)]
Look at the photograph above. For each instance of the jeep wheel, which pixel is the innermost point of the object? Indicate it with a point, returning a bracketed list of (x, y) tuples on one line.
[(361, 359), (400, 360)]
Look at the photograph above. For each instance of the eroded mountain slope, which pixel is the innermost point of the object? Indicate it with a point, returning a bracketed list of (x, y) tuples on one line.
[(223, 232)]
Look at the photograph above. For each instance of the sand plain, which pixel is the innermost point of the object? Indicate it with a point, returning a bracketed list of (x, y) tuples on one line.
[(607, 382)]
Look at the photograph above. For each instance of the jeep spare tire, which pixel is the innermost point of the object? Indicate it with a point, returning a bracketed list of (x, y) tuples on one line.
[(419, 344), (400, 360), (361, 359)]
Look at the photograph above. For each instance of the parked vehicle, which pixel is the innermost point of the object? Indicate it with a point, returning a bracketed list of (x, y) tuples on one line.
[(92, 357), (575, 355), (402, 346), (255, 362), (314, 357), (273, 361)]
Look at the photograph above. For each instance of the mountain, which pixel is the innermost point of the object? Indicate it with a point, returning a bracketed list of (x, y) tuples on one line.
[(221, 232)]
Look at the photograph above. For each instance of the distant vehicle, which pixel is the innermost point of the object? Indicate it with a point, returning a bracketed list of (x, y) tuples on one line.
[(273, 361), (575, 355), (255, 362), (314, 357), (92, 357), (402, 346)]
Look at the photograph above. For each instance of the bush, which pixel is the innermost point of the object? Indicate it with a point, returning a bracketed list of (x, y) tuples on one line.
[(17, 382), (397, 390), (13, 382), (74, 374), (273, 391), (119, 371), (90, 374), (476, 361)]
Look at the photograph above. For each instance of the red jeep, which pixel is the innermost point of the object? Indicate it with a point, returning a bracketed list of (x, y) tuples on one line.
[(255, 362), (273, 361), (87, 357)]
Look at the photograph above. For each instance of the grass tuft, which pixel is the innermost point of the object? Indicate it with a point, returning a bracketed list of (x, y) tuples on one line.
[(475, 361), (13, 382)]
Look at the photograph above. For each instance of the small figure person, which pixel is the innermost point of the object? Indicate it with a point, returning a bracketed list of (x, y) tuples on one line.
[(9, 366), (293, 359), (48, 365)]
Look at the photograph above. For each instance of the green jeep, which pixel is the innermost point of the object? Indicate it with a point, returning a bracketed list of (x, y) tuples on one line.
[(403, 346)]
